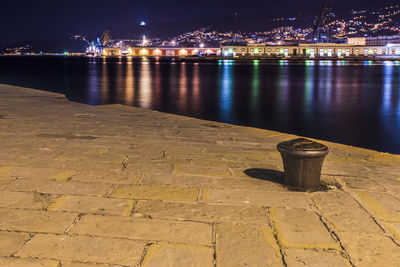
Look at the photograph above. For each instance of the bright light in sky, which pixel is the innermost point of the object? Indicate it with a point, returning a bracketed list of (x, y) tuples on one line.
[(143, 23)]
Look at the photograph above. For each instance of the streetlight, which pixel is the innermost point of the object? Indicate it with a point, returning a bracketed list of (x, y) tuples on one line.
[(144, 40)]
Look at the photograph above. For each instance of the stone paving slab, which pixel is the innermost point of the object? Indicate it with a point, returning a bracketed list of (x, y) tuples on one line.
[(35, 221), (84, 249), (17, 262), (54, 187), (12, 242), (163, 255), (145, 229), (314, 258), (120, 186), (344, 213), (297, 228), (241, 245), (200, 212)]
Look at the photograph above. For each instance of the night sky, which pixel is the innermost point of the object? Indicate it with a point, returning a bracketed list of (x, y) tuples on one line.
[(43, 19)]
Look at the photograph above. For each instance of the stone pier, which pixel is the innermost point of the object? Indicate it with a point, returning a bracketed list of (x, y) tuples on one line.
[(113, 185)]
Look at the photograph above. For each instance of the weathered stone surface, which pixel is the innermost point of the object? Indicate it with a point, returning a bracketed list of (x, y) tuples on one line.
[(145, 229), (256, 197), (75, 156), (75, 264), (59, 187), (10, 242), (63, 175), (95, 205), (363, 184), (382, 205), (111, 177), (31, 172), (178, 180), (5, 171), (4, 183), (386, 159), (344, 169), (344, 213), (314, 258), (96, 168), (220, 163), (195, 170), (84, 249), (35, 221), (248, 184), (170, 255), (23, 200), (202, 212), (149, 168), (395, 191), (301, 229), (370, 250), (13, 262), (239, 245), (157, 192)]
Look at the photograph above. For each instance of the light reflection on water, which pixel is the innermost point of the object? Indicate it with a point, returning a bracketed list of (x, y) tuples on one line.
[(355, 103), (226, 84)]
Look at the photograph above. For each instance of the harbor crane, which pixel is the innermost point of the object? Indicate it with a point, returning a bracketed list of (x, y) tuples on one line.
[(321, 31)]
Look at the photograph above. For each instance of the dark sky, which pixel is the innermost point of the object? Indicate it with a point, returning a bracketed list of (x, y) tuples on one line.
[(42, 19)]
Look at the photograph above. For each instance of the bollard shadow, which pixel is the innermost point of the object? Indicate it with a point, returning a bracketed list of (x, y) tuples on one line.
[(277, 177), (265, 175)]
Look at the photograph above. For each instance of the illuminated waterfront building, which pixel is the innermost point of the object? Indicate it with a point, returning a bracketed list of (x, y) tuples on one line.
[(319, 50), (355, 48), (383, 40), (161, 51)]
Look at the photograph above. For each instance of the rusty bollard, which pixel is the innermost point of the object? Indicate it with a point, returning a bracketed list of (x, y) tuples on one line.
[(302, 161)]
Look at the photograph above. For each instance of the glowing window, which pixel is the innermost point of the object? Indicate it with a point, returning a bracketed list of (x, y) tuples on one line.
[(144, 52)]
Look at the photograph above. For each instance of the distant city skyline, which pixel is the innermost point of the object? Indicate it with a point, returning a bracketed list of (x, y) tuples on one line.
[(26, 20)]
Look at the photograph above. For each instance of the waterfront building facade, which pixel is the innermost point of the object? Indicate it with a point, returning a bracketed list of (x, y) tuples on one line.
[(321, 50), (383, 40), (161, 51), (354, 49)]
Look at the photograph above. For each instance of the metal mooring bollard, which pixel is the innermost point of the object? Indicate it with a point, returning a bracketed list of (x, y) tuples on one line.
[(302, 161)]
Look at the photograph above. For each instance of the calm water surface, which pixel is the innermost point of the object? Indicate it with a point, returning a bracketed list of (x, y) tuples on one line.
[(351, 103)]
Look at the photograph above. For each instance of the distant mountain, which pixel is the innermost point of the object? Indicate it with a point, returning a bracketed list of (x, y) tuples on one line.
[(254, 23), (221, 24), (53, 45)]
